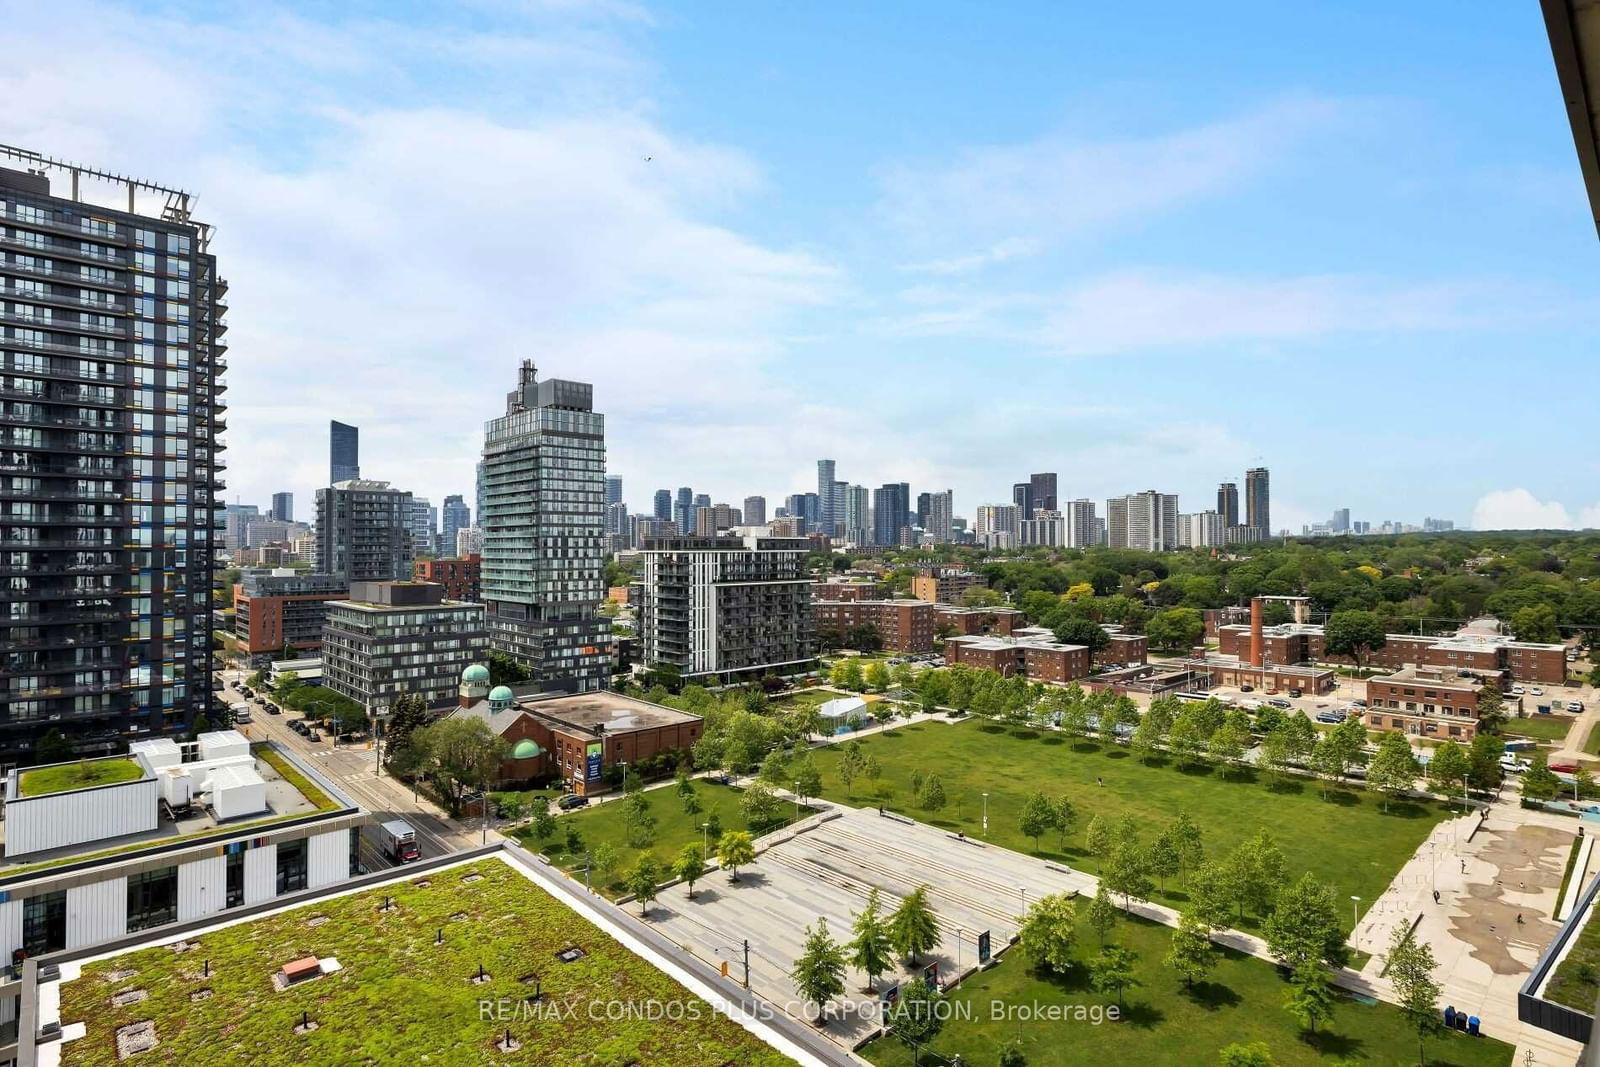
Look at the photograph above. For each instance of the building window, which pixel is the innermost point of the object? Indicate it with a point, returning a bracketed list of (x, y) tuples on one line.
[(235, 878), (152, 898), (44, 923), (355, 851), (291, 866)]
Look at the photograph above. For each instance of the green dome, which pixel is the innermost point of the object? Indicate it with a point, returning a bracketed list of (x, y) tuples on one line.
[(475, 673), (501, 693), (525, 749)]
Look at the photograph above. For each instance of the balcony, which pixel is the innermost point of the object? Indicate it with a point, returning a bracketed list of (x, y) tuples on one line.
[(100, 495), (60, 349), (104, 307), (59, 420), (76, 278)]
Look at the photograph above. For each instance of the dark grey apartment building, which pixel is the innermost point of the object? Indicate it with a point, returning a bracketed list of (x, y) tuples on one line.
[(725, 608), (392, 638), (363, 531), (110, 458), (543, 520)]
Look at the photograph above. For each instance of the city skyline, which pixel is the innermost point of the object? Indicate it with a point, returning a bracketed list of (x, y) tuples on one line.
[(1210, 276)]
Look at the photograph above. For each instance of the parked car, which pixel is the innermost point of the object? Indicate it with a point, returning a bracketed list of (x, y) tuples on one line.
[(1536, 691), (1358, 703), (571, 801), (1518, 691), (1514, 765), (1330, 716), (1564, 768), (1574, 705), (273, 709), (1281, 704), (1247, 689), (1295, 691)]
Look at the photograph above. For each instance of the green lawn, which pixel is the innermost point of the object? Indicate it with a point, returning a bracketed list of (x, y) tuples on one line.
[(603, 824), (806, 698), (1345, 840), (1591, 744), (399, 997), (65, 776), (1542, 727), (1164, 1024)]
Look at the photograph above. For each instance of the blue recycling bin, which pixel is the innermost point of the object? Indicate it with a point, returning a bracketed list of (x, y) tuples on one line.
[(1450, 1017), (1472, 1026)]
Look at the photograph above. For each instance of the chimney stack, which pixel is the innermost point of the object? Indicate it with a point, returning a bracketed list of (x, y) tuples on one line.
[(1255, 632)]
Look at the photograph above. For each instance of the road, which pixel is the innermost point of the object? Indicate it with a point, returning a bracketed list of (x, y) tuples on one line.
[(354, 769)]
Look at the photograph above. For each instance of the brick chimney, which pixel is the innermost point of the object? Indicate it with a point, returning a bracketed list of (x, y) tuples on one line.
[(1255, 632)]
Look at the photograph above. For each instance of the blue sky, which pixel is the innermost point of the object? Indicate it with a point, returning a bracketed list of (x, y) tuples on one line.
[(949, 244)]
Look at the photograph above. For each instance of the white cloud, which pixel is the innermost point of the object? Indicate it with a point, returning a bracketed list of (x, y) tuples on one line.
[(1062, 185), (1519, 509)]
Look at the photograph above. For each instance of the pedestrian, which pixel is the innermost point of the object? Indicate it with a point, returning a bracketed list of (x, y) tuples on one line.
[(1100, 781), (1436, 896), (1519, 918)]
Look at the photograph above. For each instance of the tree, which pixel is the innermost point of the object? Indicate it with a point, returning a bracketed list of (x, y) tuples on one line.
[(818, 974), (605, 862), (870, 949), (846, 674), (1238, 1054), (913, 929), (52, 748), (1356, 634), (876, 676), (1304, 926), (734, 850), (638, 824), (1258, 870), (1176, 629), (760, 805), (1539, 782), (1162, 859), (807, 779), (1411, 967), (1309, 999), (408, 714), (1049, 931), (1127, 873), (1483, 757), (1394, 769), (1346, 743), (931, 796), (1189, 843), (849, 767), (1192, 954), (1491, 709), (643, 880), (1536, 623), (918, 1015), (1228, 745), (1103, 913), (1448, 767), (1083, 632), (1011, 1056), (1064, 815), (1187, 740), (544, 824), (1112, 971), (458, 756), (1275, 753), (689, 866), (1212, 892), (1147, 737), (573, 839), (1100, 837), (1038, 816)]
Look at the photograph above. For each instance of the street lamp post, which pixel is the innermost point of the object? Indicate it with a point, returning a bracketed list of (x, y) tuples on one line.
[(705, 840), (624, 777), (1355, 901), (959, 933), (986, 814), (797, 802)]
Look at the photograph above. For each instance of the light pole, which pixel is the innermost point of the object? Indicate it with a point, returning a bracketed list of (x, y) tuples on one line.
[(1355, 902), (986, 814), (959, 933), (705, 841), (624, 777)]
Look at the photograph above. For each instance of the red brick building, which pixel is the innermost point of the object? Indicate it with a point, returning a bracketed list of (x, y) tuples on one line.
[(580, 736), (1489, 655), (945, 585), (462, 578), (968, 621), (837, 589), (1043, 661), (1424, 702), (271, 612), (1127, 649), (905, 625)]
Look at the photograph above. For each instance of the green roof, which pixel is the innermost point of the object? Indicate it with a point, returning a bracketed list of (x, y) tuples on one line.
[(501, 692), (475, 673)]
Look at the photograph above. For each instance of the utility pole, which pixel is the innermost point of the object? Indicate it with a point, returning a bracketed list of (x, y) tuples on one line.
[(747, 963)]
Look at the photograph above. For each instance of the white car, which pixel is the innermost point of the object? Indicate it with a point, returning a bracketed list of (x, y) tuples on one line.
[(1574, 705), (1536, 691), (1517, 691), (1512, 765)]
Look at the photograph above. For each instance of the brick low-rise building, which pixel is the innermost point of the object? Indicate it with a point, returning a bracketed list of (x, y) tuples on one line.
[(848, 589), (1424, 702), (461, 576), (275, 611), (1040, 660), (965, 622), (579, 738), (1127, 649), (904, 625)]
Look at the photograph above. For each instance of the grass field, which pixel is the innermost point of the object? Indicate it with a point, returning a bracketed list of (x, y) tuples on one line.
[(399, 997), (65, 776), (1540, 727), (1164, 1024), (1591, 744), (1345, 840), (603, 824)]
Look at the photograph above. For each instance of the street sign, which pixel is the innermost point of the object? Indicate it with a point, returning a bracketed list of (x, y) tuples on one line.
[(983, 948)]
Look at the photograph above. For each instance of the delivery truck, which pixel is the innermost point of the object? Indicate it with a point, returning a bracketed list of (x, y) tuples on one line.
[(399, 841)]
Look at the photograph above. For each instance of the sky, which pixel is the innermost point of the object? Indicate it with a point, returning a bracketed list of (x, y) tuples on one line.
[(949, 244)]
